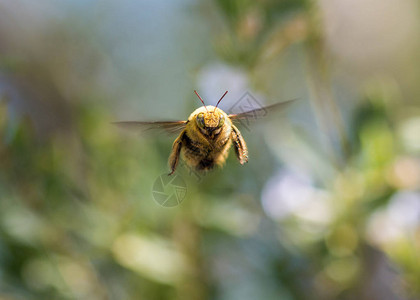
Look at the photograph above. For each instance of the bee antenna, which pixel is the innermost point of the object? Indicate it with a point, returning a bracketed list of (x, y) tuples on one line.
[(200, 99), (221, 98)]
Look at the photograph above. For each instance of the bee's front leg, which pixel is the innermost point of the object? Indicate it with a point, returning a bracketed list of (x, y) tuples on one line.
[(175, 153), (239, 145)]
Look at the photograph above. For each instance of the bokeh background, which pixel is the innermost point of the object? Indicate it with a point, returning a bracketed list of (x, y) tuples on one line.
[(327, 208)]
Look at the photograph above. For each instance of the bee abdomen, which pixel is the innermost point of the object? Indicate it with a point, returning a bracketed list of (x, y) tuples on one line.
[(205, 164)]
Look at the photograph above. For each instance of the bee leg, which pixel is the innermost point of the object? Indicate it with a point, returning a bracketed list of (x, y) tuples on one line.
[(176, 151), (240, 146)]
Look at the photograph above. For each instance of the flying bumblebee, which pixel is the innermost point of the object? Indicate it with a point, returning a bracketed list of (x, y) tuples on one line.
[(205, 138)]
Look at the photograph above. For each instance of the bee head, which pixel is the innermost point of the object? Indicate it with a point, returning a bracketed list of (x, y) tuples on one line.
[(210, 120)]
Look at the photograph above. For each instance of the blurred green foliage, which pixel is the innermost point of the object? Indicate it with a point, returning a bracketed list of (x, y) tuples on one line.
[(327, 208)]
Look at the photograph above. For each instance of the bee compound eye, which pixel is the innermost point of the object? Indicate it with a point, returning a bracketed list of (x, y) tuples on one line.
[(221, 120), (200, 119)]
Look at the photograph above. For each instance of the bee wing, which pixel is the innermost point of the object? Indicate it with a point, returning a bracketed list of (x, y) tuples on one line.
[(259, 112), (171, 127)]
